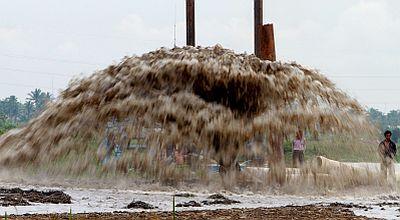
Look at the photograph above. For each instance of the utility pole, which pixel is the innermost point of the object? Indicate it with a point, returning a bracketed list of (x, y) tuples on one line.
[(190, 23), (258, 22), (264, 41)]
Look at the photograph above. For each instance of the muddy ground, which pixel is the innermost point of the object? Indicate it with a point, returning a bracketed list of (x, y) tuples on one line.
[(138, 204), (19, 197), (288, 212)]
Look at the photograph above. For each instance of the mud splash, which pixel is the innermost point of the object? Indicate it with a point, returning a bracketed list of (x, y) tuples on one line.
[(207, 102)]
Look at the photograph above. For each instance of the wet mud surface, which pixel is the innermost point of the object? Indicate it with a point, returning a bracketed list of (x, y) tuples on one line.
[(19, 197), (288, 212), (185, 195), (218, 199), (217, 196), (350, 205), (140, 205), (189, 204)]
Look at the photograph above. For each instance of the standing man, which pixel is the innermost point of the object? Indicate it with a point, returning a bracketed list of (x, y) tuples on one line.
[(387, 152)]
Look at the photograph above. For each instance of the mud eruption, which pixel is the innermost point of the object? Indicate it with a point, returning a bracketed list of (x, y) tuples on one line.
[(206, 101)]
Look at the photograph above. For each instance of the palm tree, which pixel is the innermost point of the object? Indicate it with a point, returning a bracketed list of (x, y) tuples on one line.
[(39, 99), (35, 96), (45, 97)]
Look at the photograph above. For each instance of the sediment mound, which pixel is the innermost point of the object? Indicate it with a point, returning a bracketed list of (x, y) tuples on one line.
[(208, 98), (218, 199), (140, 205), (19, 197), (189, 204)]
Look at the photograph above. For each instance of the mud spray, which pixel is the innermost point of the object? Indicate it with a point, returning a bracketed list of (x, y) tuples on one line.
[(207, 102)]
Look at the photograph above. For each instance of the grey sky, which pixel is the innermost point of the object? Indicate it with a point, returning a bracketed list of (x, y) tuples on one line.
[(44, 43)]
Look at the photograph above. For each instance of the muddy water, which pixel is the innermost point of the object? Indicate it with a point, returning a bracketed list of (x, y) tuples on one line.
[(204, 102)]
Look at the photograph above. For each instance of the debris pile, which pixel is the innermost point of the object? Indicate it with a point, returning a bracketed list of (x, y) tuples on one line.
[(19, 197), (218, 199), (140, 205)]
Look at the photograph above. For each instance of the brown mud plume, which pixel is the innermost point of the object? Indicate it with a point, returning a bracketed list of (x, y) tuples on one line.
[(210, 100)]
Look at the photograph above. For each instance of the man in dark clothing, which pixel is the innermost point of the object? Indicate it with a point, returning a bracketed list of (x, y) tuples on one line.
[(387, 152)]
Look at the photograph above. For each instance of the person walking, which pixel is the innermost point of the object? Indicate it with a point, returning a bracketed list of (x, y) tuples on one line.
[(299, 146)]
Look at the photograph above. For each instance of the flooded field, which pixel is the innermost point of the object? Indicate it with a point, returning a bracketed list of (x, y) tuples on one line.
[(371, 202), (119, 200)]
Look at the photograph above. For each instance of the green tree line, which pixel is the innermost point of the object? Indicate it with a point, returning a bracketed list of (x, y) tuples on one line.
[(14, 112), (389, 121)]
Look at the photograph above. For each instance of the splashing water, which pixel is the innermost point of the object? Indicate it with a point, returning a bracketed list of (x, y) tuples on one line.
[(209, 102)]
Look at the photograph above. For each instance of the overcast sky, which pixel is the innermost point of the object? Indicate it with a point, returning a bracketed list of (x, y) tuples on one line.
[(356, 43)]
